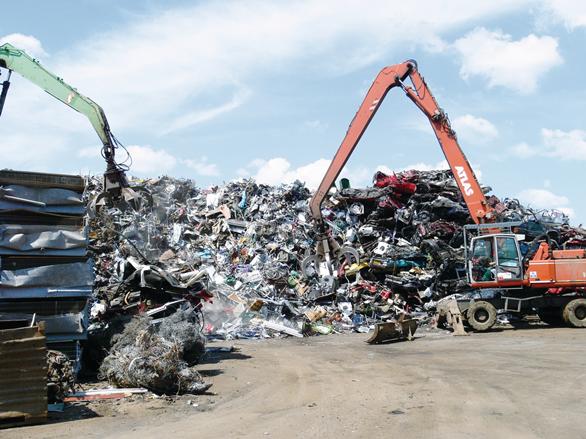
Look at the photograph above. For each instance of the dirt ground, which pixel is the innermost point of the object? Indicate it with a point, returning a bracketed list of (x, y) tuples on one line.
[(527, 383)]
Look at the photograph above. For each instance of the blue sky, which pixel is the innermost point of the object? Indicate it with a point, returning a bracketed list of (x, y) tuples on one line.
[(217, 90)]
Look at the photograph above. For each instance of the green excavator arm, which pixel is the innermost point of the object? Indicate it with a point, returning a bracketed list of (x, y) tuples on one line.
[(17, 60)]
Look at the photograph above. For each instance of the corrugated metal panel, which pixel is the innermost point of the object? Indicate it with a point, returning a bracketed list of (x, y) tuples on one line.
[(26, 217), (43, 307), (23, 377), (39, 179), (66, 210), (45, 267), (45, 292)]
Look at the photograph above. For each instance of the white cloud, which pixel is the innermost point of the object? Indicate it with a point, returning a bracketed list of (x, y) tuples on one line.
[(315, 124), (200, 116), (435, 44), (359, 176), (16, 150), (148, 160), (572, 13), (279, 170), (545, 199), (524, 150), (28, 43), (542, 198), (420, 166), (159, 64), (474, 129), (242, 173), (477, 172), (567, 145), (502, 61), (90, 152), (202, 167)]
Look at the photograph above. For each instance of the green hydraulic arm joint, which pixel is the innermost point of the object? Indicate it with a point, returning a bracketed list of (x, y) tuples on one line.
[(17, 60)]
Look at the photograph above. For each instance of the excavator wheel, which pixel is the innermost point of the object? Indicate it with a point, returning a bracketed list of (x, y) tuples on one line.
[(550, 315), (481, 315), (574, 313)]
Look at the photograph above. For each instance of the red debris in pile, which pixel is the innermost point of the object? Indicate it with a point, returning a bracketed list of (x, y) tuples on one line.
[(399, 184)]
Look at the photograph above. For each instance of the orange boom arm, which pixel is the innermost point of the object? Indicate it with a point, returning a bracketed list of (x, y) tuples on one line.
[(394, 76)]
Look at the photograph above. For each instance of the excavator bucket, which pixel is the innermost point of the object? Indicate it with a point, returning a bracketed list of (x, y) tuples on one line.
[(117, 192), (393, 331), (114, 181), (123, 199), (318, 264)]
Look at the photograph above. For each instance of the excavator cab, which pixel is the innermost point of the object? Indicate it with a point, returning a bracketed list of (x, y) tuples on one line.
[(494, 260)]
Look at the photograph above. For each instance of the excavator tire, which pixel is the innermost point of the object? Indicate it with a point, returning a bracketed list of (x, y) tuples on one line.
[(551, 315), (574, 313), (481, 315)]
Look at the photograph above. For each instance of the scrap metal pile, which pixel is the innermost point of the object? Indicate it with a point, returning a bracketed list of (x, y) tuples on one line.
[(243, 244)]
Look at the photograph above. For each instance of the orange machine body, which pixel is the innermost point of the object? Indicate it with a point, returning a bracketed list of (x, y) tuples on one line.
[(546, 270), (559, 268)]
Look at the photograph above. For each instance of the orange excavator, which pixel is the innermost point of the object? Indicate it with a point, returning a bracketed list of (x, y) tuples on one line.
[(547, 280)]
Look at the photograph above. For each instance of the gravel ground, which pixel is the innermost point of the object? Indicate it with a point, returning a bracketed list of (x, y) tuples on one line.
[(527, 383)]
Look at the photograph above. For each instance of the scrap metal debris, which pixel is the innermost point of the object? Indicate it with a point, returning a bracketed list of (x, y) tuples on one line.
[(187, 264), (158, 357), (244, 244), (60, 376)]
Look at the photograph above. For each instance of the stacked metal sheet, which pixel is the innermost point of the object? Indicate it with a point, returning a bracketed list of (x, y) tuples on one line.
[(45, 273)]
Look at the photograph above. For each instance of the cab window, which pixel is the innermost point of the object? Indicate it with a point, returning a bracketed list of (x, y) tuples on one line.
[(483, 260), (509, 265)]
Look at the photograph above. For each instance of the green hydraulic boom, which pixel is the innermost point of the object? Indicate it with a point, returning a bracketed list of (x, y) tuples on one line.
[(18, 61)]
